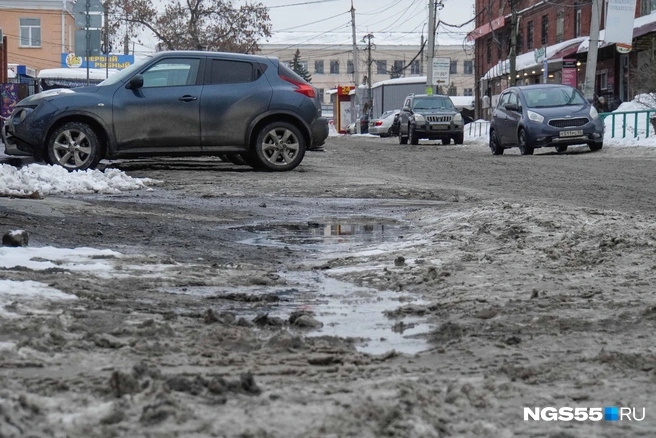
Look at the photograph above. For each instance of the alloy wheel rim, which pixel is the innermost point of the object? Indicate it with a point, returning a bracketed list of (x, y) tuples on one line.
[(280, 146), (72, 149)]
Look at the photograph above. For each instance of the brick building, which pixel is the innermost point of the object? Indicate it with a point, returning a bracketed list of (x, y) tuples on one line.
[(555, 30)]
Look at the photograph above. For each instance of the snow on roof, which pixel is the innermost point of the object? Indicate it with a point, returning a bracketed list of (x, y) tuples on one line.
[(527, 60), (346, 38), (398, 81), (74, 73)]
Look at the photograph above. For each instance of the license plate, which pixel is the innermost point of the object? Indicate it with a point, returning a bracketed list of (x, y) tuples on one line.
[(575, 133), (435, 127)]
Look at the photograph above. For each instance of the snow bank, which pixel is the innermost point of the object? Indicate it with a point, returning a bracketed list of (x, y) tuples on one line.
[(57, 180), (635, 132)]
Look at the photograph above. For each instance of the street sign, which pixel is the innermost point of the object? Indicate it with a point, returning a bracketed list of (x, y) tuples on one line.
[(88, 6), (81, 43), (95, 21), (441, 68)]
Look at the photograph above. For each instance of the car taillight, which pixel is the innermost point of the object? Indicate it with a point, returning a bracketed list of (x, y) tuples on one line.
[(303, 88), (378, 123)]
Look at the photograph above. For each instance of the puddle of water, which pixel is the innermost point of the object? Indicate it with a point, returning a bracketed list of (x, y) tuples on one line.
[(346, 310), (320, 237)]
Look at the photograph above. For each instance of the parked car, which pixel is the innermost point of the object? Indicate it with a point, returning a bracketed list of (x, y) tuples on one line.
[(433, 117), (383, 125), (175, 103), (364, 125), (544, 115)]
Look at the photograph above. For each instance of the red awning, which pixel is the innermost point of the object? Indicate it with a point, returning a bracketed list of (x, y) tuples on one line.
[(565, 51), (495, 24)]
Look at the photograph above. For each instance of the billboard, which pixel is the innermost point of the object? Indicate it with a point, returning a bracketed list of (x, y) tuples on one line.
[(119, 62)]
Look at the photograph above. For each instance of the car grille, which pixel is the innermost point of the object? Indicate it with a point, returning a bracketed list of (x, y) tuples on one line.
[(438, 118), (566, 123)]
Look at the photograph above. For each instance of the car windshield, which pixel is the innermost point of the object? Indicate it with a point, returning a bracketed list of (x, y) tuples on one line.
[(433, 103), (124, 74), (553, 97)]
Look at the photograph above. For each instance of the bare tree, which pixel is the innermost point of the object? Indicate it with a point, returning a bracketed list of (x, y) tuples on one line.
[(214, 25)]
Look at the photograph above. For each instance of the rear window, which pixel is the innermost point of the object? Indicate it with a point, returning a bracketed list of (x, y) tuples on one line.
[(231, 72), (287, 72)]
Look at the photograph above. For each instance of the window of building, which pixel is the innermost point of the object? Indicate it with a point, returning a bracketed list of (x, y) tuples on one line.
[(602, 80), (520, 40), (453, 68), (577, 19), (647, 6), (231, 72), (488, 50), (529, 36), (320, 94), (30, 32), (468, 67), (398, 67), (545, 30), (318, 67), (468, 92), (381, 67), (560, 25), (334, 67), (415, 68), (350, 69)]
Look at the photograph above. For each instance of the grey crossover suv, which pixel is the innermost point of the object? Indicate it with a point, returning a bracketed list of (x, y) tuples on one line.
[(175, 103), (543, 115), (433, 117)]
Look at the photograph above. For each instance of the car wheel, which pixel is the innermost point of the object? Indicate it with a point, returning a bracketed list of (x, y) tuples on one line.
[(459, 138), (524, 147), (446, 141), (74, 146), (280, 146), (412, 135), (561, 148), (594, 146), (495, 147), (389, 132)]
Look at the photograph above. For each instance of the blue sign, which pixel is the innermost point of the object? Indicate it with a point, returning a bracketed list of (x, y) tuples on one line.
[(119, 62)]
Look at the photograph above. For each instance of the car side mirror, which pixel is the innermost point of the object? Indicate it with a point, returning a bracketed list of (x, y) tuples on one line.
[(136, 82), (513, 107)]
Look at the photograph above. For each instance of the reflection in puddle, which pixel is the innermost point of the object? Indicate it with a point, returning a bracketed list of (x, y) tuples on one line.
[(346, 310), (320, 237)]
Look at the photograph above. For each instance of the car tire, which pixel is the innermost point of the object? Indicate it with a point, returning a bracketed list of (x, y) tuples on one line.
[(223, 157), (595, 146), (250, 159), (459, 138), (389, 132), (446, 141), (412, 135), (524, 147), (561, 148), (279, 147), (74, 146), (495, 147), (236, 159)]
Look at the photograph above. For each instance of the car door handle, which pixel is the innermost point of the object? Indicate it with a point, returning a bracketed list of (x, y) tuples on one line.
[(188, 98)]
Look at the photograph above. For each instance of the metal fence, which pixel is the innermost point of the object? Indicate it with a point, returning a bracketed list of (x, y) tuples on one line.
[(477, 129), (634, 124)]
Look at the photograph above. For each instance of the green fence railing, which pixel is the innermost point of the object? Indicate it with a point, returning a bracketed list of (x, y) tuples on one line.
[(639, 123)]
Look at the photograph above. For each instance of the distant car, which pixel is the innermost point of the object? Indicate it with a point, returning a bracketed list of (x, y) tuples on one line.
[(175, 103), (364, 125), (430, 116), (544, 115), (383, 125)]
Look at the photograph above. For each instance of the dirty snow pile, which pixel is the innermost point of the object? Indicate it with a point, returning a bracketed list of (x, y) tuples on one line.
[(636, 133), (48, 180)]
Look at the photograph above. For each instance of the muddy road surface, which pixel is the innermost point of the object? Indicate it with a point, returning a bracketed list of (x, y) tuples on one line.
[(377, 290)]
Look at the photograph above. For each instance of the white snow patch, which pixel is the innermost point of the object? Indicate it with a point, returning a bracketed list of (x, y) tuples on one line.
[(26, 291), (57, 180), (77, 259)]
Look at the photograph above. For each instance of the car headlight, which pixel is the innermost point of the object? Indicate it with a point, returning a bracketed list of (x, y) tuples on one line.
[(457, 118), (593, 113), (419, 118), (535, 117)]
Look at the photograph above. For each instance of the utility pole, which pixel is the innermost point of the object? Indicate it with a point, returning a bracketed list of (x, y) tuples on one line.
[(369, 37), (513, 43), (431, 47), (356, 103), (591, 64)]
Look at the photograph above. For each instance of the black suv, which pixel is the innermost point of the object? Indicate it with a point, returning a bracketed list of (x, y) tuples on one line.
[(430, 116), (175, 103)]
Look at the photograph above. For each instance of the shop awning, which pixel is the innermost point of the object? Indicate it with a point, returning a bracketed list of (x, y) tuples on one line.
[(641, 26), (495, 24)]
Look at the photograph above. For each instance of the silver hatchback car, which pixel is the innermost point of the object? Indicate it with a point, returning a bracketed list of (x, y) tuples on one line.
[(383, 125)]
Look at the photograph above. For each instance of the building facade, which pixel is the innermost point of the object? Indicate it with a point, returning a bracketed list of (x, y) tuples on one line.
[(552, 35), (37, 31), (331, 65)]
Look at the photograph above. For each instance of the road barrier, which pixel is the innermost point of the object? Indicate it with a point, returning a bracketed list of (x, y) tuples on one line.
[(639, 123), (478, 128)]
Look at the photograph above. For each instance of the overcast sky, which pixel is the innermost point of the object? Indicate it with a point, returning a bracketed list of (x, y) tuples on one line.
[(371, 16)]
